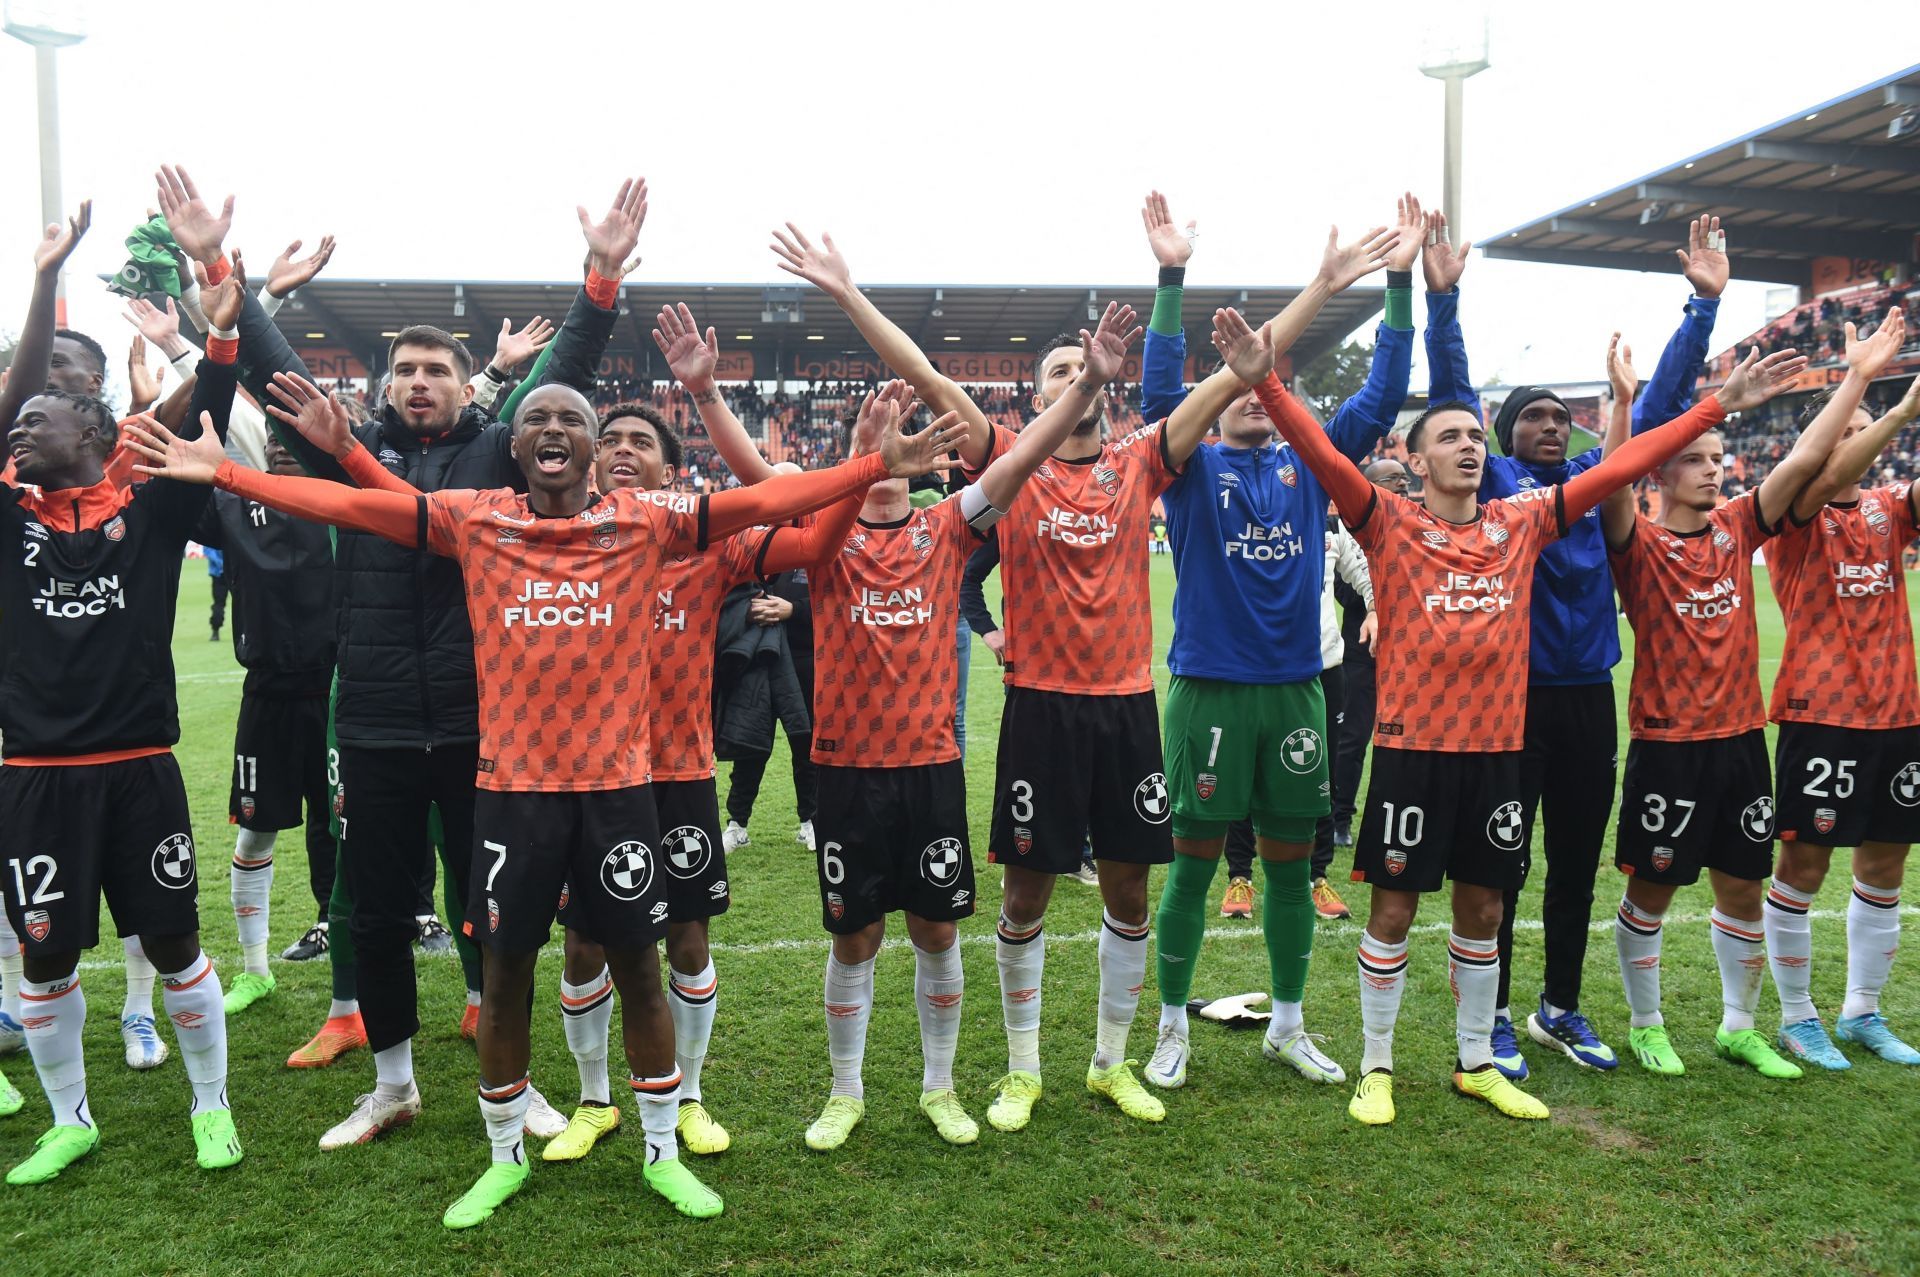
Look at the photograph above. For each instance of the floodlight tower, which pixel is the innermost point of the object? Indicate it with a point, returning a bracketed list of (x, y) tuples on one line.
[(1452, 57), (48, 25)]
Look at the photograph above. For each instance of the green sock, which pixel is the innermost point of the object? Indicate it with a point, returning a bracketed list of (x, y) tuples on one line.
[(1182, 923), (1287, 919)]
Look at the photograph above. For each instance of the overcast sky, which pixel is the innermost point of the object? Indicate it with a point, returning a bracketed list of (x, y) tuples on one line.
[(1006, 143)]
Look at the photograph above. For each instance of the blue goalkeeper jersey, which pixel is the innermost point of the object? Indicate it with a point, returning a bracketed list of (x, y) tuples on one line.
[(1248, 529)]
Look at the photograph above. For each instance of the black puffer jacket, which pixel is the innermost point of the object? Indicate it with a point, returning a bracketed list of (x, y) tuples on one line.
[(405, 666)]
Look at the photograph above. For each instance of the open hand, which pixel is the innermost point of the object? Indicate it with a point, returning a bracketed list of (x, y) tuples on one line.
[(822, 267), (142, 384), (1620, 373), (1342, 264), (1704, 261), (1171, 245), (1246, 349), (166, 455), (611, 239), (1869, 356), (321, 419), (196, 229), (58, 243), (925, 452), (1439, 260), (511, 349), (156, 325), (288, 272), (1105, 349), (1757, 380), (690, 357), (1410, 224)]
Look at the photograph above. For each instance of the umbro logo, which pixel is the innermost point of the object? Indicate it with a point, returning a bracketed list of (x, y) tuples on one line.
[(1435, 538), (718, 890)]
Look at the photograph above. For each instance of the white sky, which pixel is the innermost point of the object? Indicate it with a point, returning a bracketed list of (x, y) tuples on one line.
[(1008, 143)]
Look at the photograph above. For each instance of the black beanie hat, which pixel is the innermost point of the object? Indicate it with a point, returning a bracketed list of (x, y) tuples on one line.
[(1510, 412)]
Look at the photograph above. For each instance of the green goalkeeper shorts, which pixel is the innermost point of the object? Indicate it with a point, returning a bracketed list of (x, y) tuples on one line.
[(1246, 750)]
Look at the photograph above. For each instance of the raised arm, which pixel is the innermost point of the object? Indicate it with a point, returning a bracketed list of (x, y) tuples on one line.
[(788, 548), (33, 356), (1670, 390), (201, 461), (692, 359), (1850, 459), (1616, 512), (1360, 422), (1163, 354), (787, 496), (1442, 264), (1103, 351), (1250, 355), (827, 270), (1754, 382)]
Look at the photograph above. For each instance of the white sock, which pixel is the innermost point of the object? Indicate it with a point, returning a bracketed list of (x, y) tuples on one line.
[(194, 1004), (252, 892), (9, 971), (53, 1040), (1503, 1013), (1742, 957), (1123, 970), (1790, 950), (1020, 949), (1288, 1019), (1173, 1015), (342, 1006), (849, 998), (140, 974), (473, 997), (504, 1110), (659, 1101), (1873, 937), (586, 1013), (1636, 938), (1473, 968), (938, 982), (1383, 981), (393, 1071), (691, 1000)]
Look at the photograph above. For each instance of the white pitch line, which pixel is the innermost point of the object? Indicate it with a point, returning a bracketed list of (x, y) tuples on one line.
[(1351, 929)]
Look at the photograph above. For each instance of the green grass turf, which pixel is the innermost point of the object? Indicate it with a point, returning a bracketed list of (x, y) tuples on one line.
[(1253, 1171)]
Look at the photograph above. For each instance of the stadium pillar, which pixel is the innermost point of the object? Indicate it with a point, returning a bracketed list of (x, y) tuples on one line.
[(45, 35), (1453, 64)]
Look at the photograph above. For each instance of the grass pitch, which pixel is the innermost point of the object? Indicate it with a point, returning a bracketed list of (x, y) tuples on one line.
[(1254, 1171)]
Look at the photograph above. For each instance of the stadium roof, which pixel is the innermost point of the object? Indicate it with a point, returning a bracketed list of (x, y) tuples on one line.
[(1827, 181), (976, 333)]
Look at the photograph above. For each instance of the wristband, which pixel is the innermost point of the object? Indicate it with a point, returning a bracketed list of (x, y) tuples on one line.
[(601, 291), (223, 349), (1400, 279), (1173, 276), (1399, 300), (217, 272), (272, 304), (494, 375), (189, 360)]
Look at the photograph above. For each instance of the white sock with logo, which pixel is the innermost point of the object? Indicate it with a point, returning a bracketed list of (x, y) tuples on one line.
[(252, 893), (1123, 970), (1473, 968), (586, 1014), (690, 997), (57, 1015), (1738, 949), (1383, 982), (1790, 950), (1636, 938), (938, 984), (1021, 951), (198, 1011), (1873, 937), (659, 1101), (849, 1000)]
